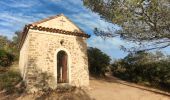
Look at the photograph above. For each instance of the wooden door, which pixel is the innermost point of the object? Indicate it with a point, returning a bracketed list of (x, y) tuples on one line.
[(62, 71), (64, 68)]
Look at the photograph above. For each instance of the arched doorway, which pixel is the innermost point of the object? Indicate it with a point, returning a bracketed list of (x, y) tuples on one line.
[(62, 67)]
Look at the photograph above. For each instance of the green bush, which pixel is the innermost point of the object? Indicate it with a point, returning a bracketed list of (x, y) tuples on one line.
[(9, 49), (98, 62), (6, 58), (9, 80), (144, 68)]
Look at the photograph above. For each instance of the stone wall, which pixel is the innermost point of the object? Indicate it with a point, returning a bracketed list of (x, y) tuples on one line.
[(23, 59), (42, 48)]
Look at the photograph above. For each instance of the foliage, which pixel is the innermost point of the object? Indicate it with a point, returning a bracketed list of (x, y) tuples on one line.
[(9, 51), (6, 58), (5, 44), (144, 68), (9, 80), (15, 44), (142, 21), (98, 61)]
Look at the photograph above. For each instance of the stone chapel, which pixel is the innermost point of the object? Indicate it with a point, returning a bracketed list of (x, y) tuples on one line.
[(57, 47)]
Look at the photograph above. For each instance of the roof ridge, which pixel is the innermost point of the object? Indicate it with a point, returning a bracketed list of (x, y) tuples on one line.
[(47, 19), (55, 16)]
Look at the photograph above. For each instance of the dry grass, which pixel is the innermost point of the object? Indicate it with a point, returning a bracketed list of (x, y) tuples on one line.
[(11, 88), (9, 79), (71, 94)]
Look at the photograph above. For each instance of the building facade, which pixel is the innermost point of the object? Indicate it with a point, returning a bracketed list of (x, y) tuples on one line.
[(57, 48)]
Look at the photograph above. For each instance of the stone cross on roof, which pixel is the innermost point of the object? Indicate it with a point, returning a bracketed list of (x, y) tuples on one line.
[(62, 21)]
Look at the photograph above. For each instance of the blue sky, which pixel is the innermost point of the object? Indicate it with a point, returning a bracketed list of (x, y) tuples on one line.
[(14, 14)]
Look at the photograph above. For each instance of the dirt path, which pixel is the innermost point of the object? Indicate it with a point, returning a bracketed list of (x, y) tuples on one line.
[(115, 89)]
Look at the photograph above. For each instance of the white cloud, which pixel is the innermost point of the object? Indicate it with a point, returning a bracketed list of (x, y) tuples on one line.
[(100, 43), (110, 46), (5, 24), (8, 19), (69, 5), (91, 20), (20, 3), (7, 32), (76, 2), (55, 0), (13, 18), (11, 22)]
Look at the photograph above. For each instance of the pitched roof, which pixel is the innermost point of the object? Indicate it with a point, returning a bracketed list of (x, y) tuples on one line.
[(35, 26), (46, 19), (53, 17)]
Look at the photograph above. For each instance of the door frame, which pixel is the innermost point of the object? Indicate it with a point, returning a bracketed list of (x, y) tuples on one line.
[(68, 64)]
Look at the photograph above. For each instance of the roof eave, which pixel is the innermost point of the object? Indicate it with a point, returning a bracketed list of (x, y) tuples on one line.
[(46, 29)]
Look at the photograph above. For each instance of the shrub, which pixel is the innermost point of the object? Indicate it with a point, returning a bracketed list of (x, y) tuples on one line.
[(142, 68), (6, 58), (9, 80), (98, 62)]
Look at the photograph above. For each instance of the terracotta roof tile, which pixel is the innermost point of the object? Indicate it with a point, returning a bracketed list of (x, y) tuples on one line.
[(34, 26)]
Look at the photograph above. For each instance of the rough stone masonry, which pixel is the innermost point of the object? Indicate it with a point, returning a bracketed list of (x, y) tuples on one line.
[(40, 60)]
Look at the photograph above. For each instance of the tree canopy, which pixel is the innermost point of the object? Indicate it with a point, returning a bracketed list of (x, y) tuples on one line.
[(142, 21), (146, 68), (98, 61), (9, 49)]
